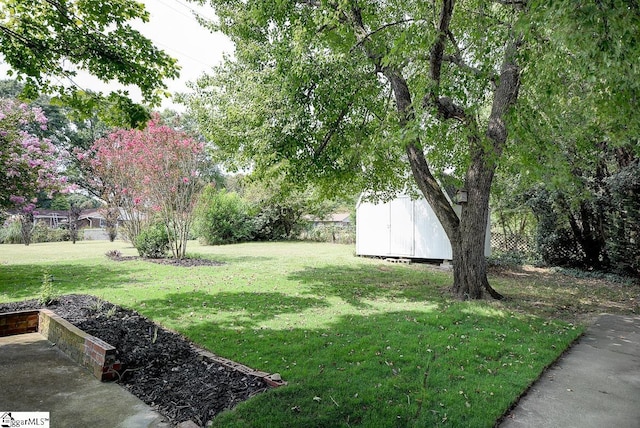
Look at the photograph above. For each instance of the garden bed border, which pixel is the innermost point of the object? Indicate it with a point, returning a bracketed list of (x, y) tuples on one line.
[(94, 354)]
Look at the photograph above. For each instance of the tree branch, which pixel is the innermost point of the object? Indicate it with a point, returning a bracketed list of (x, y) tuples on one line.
[(23, 40), (437, 50), (404, 105), (312, 3), (457, 60), (446, 108), (520, 3), (333, 128), (384, 27), (505, 94)]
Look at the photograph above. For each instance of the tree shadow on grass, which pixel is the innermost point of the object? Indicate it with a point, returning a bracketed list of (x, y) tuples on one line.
[(357, 284), (243, 309), (369, 370), (23, 281)]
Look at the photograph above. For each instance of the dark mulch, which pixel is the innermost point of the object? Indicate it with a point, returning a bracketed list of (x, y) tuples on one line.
[(169, 261), (162, 368)]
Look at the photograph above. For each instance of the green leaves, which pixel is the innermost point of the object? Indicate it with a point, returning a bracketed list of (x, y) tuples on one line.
[(306, 86), (48, 42)]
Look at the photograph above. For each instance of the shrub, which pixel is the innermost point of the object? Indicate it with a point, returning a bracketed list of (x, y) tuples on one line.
[(113, 254), (275, 221), (153, 241), (330, 233), (11, 232), (43, 233), (222, 218), (506, 259)]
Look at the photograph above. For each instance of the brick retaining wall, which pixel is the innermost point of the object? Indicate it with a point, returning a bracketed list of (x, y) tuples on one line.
[(18, 322), (95, 354)]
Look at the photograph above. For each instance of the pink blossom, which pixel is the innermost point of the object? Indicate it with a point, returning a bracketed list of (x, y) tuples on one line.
[(28, 165), (18, 200), (153, 169)]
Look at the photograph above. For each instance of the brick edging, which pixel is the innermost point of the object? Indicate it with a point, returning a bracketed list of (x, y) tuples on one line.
[(93, 353), (18, 322), (90, 352), (273, 380)]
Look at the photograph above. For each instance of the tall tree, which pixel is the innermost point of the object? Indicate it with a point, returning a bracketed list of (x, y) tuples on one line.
[(373, 93), (46, 42), (29, 165)]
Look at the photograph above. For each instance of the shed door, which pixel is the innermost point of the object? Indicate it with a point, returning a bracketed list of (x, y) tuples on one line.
[(401, 227)]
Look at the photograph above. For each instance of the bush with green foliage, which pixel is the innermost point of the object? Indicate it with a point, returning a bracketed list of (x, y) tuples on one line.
[(11, 232), (275, 221), (623, 227), (43, 233), (153, 241), (48, 294), (599, 232), (222, 218)]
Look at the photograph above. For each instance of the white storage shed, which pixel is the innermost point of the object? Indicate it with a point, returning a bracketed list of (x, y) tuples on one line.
[(403, 228)]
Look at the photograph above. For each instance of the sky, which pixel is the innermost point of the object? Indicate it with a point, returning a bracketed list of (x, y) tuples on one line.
[(173, 28)]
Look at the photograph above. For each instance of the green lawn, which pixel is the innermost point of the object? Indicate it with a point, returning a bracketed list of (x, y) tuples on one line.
[(361, 342)]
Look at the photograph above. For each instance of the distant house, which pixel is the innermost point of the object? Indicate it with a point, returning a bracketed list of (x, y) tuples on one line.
[(91, 219), (51, 218), (337, 219)]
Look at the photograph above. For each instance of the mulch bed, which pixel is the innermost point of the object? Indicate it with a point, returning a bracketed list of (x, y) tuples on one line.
[(161, 367), (168, 261)]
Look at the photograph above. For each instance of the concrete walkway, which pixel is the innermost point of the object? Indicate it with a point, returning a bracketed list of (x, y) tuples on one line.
[(595, 384), (37, 377)]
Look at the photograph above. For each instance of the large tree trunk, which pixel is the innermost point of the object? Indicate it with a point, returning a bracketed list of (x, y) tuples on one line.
[(469, 261), (74, 215), (467, 231), (27, 225)]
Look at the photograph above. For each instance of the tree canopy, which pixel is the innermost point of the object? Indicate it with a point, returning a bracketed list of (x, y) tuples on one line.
[(576, 147), (386, 96), (378, 95), (47, 42)]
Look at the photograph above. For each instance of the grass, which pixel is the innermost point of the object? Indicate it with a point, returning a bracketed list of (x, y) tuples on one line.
[(361, 342)]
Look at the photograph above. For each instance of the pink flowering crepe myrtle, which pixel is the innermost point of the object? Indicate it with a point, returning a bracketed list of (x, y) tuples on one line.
[(29, 165), (155, 170)]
